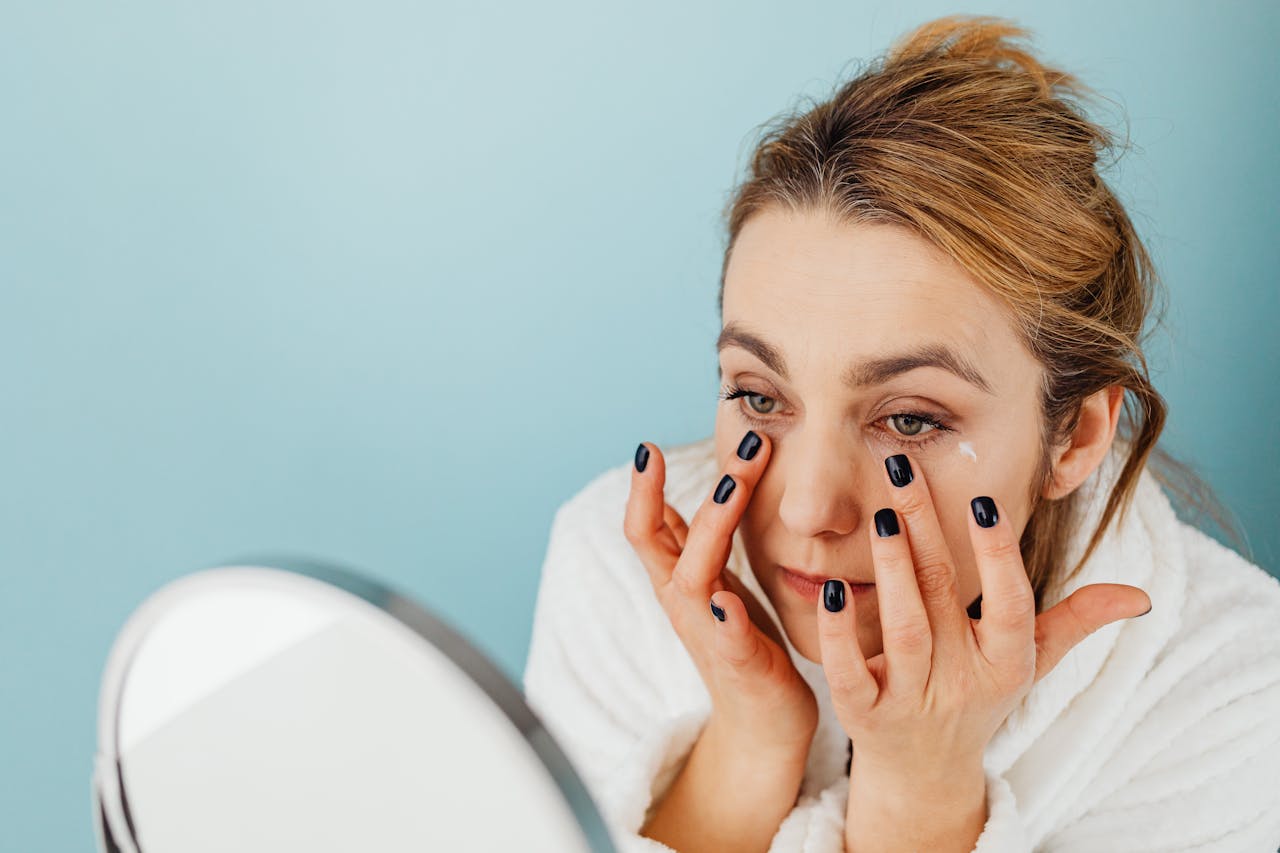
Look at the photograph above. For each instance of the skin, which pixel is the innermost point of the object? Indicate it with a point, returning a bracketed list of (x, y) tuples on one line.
[(825, 295)]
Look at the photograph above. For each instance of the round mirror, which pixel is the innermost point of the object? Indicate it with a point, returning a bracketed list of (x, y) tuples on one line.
[(282, 705)]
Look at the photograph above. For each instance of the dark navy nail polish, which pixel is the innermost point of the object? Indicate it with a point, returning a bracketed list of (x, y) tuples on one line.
[(899, 468), (718, 611), (833, 596), (642, 457), (886, 522), (724, 489), (749, 445), (984, 511), (975, 609)]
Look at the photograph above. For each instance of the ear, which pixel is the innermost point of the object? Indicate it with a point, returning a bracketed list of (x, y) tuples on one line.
[(1075, 460)]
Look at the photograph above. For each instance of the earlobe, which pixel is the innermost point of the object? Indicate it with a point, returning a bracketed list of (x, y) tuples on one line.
[(1089, 443)]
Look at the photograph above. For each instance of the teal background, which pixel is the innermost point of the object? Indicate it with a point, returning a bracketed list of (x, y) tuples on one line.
[(385, 282)]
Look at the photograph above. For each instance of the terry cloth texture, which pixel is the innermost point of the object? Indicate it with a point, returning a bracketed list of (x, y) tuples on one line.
[(1158, 733)]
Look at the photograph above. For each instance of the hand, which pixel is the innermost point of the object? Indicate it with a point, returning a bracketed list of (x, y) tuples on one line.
[(925, 709), (755, 688)]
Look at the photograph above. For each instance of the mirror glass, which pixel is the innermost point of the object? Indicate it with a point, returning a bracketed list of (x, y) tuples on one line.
[(283, 705)]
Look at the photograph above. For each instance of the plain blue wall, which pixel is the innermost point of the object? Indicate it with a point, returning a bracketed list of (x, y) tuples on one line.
[(385, 282)]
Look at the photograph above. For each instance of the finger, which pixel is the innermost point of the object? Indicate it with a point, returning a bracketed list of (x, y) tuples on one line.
[(755, 610), (710, 536), (934, 567), (677, 524), (1006, 632), (904, 625), (736, 640), (643, 522), (852, 685), (1061, 627)]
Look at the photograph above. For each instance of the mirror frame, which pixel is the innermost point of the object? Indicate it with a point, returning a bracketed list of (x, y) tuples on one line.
[(113, 824)]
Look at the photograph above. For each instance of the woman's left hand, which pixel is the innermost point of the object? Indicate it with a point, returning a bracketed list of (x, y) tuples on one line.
[(929, 704)]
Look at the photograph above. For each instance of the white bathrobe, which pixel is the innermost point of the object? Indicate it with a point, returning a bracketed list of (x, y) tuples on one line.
[(1160, 732)]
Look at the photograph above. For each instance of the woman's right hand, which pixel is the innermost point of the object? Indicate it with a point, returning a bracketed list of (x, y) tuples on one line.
[(756, 691)]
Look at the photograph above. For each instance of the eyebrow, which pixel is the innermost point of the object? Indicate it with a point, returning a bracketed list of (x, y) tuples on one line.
[(862, 374)]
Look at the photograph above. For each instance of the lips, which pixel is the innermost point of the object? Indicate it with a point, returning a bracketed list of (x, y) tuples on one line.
[(809, 588), (819, 579)]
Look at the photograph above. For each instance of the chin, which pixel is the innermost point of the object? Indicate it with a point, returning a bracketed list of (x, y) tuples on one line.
[(804, 637), (805, 640)]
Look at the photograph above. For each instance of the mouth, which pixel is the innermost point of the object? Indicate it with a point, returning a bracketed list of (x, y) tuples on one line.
[(810, 588)]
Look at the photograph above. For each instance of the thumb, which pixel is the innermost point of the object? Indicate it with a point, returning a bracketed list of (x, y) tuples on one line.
[(737, 641), (1060, 628)]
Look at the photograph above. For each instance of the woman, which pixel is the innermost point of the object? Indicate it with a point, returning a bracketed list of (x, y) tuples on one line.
[(899, 600)]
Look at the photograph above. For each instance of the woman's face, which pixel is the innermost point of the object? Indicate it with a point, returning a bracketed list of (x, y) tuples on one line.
[(824, 326)]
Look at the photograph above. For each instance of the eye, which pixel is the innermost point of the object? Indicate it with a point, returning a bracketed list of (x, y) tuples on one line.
[(733, 392), (911, 424), (907, 425)]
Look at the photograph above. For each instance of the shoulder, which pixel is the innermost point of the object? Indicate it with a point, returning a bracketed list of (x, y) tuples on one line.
[(1229, 601), (1220, 667), (1188, 757)]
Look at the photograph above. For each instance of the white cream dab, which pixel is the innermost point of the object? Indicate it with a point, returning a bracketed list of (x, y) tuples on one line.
[(967, 449)]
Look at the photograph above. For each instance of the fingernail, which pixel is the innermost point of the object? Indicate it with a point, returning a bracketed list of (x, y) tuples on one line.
[(899, 468), (724, 489), (749, 445), (887, 522), (1143, 613), (642, 457), (984, 511), (718, 611), (833, 596)]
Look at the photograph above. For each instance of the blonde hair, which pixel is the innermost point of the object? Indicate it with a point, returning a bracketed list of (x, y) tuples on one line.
[(961, 135)]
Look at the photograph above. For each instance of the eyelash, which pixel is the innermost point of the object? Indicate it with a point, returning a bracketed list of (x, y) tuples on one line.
[(733, 392)]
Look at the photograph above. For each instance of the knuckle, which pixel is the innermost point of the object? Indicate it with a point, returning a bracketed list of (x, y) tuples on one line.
[(913, 504), (913, 637), (631, 530), (682, 584), (934, 577), (843, 681), (1079, 622), (741, 655), (1002, 549), (670, 605), (830, 631), (1019, 603), (894, 561)]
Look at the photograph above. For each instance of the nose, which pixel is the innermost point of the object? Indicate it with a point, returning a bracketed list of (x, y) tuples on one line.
[(827, 481)]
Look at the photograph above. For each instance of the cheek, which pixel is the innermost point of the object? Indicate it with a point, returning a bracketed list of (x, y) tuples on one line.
[(955, 478), (726, 438), (761, 511)]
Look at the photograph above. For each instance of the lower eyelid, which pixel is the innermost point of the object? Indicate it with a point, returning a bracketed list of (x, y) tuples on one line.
[(935, 431)]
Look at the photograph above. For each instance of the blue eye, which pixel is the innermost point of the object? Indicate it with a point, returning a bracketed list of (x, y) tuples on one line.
[(937, 430)]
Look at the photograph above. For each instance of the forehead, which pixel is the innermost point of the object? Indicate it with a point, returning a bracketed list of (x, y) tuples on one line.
[(820, 288)]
